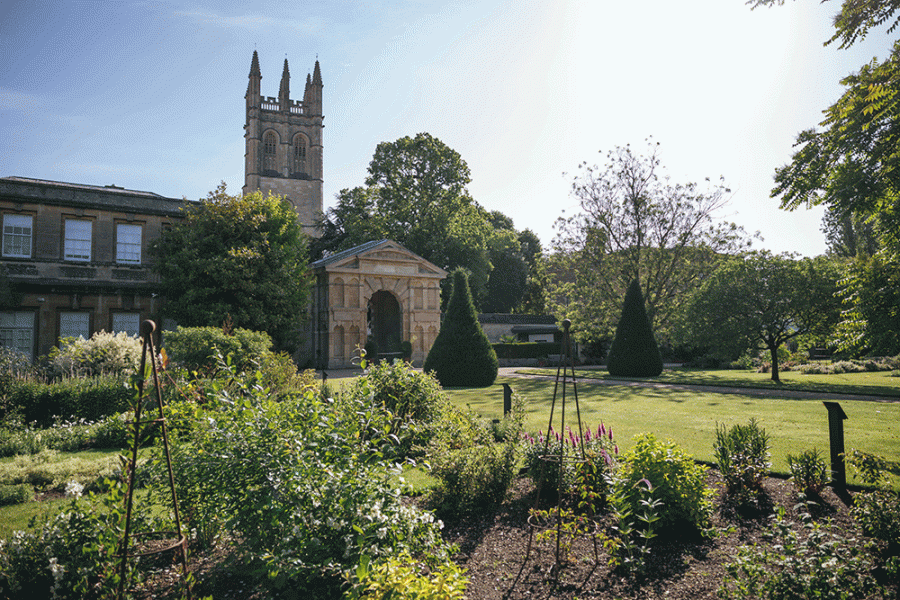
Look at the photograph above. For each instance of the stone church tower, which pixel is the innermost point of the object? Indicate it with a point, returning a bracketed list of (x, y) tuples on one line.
[(284, 143)]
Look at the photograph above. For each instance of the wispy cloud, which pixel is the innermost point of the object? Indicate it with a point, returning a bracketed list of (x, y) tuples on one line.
[(254, 22)]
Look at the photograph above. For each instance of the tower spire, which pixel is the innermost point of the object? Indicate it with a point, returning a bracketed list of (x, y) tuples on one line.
[(253, 85), (284, 93)]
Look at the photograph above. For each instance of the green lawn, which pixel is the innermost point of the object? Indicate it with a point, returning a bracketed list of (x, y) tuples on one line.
[(689, 417), (875, 384)]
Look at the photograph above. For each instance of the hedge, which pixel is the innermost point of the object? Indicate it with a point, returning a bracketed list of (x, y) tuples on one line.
[(91, 398), (526, 350)]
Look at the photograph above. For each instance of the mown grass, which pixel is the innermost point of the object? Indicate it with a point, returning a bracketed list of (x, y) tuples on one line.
[(879, 383), (689, 417)]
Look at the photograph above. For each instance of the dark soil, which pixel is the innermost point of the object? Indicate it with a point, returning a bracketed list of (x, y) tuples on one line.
[(492, 549)]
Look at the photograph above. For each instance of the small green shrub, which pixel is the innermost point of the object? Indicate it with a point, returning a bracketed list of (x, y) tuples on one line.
[(473, 479), (629, 544), (742, 453), (876, 511), (477, 476), (811, 563), (103, 354), (402, 578), (809, 471), (17, 493), (414, 401), (677, 481), (197, 349)]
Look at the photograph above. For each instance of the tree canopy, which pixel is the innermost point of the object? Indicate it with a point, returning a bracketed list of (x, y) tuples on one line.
[(415, 194), (634, 224), (762, 300), (852, 165), (237, 257)]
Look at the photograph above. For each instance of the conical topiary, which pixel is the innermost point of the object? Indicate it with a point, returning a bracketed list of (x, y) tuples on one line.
[(634, 352), (462, 355)]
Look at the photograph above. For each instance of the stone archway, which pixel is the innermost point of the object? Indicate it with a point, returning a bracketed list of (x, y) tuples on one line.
[(385, 323)]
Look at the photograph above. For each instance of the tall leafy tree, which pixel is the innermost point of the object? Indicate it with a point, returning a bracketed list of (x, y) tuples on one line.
[(242, 257), (852, 165), (416, 194), (760, 301), (635, 224)]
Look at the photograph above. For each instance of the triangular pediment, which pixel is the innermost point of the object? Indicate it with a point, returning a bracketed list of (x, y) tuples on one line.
[(384, 257)]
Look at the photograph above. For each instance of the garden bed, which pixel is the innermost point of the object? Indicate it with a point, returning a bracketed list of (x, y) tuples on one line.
[(492, 550)]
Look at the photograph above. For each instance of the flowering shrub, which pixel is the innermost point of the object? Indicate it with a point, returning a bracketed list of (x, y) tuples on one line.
[(72, 554), (599, 448), (299, 484), (103, 354)]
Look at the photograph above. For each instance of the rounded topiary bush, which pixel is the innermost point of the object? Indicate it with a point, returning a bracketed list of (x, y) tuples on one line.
[(634, 352), (462, 355)]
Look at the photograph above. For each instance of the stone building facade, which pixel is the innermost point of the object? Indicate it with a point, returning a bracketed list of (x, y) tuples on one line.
[(283, 140), (378, 290), (77, 257)]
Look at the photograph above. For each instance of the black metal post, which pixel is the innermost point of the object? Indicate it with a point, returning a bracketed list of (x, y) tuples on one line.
[(507, 399), (836, 418)]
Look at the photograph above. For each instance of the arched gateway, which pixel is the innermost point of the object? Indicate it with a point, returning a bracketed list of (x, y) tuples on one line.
[(379, 290)]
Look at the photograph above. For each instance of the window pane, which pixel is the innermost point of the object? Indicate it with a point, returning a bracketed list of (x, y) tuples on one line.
[(74, 324), (130, 323), (17, 332), (17, 236), (128, 244), (78, 240)]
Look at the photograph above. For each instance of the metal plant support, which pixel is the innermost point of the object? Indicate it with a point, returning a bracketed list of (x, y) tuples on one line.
[(558, 454), (180, 543)]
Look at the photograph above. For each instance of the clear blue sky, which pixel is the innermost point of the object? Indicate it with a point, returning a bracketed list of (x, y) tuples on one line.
[(150, 95)]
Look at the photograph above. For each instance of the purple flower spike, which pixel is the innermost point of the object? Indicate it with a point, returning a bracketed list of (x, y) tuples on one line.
[(587, 435), (610, 434), (601, 430), (616, 448)]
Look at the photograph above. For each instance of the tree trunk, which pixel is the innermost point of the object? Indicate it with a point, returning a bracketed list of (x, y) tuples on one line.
[(774, 351)]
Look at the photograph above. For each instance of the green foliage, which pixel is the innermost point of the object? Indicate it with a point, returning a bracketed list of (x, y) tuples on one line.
[(629, 545), (17, 493), (298, 484), (877, 511), (103, 354), (762, 300), (71, 555), (197, 349), (402, 578), (870, 292), (677, 481), (241, 256), (462, 355), (409, 405), (634, 352), (475, 473), (810, 563), (634, 224), (525, 349), (474, 479), (742, 453), (70, 398), (808, 471)]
